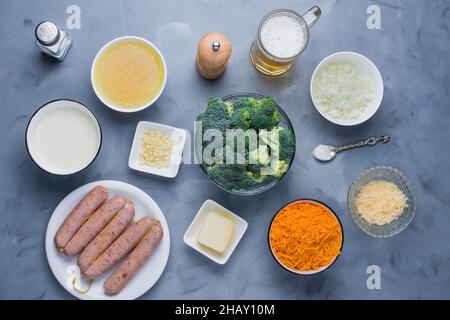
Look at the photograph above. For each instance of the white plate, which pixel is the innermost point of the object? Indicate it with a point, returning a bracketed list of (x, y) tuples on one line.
[(369, 68), (178, 137), (190, 237), (65, 268)]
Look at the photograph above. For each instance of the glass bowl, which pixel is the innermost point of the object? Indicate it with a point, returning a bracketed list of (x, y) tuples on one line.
[(391, 175), (311, 272), (266, 185)]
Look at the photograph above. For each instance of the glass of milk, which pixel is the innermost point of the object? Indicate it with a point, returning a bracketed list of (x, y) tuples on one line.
[(282, 36), (63, 137)]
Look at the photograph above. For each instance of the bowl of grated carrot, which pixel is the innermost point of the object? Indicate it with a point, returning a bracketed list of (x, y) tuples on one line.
[(305, 237)]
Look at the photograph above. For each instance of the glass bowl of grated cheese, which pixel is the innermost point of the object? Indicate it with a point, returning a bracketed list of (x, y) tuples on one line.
[(381, 201), (346, 88)]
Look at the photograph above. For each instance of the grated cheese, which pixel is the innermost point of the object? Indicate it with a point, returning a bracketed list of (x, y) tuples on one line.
[(380, 202), (156, 149)]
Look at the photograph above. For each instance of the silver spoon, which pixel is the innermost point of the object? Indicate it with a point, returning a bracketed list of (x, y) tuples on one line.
[(325, 152)]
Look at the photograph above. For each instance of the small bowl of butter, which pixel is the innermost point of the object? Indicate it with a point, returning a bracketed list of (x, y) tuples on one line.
[(215, 232)]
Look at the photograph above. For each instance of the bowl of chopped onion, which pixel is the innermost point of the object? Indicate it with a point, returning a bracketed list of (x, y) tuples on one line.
[(346, 88)]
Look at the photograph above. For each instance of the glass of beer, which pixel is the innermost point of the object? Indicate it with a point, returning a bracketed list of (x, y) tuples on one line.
[(282, 36)]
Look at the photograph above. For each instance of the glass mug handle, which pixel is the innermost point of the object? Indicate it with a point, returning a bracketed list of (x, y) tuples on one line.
[(312, 16)]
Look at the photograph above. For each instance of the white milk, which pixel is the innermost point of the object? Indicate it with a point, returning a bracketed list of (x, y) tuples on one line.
[(283, 36), (66, 140)]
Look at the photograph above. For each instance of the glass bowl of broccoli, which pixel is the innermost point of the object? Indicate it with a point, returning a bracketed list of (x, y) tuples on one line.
[(245, 143)]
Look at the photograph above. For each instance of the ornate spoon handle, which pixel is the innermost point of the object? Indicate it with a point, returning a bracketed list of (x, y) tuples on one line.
[(368, 142)]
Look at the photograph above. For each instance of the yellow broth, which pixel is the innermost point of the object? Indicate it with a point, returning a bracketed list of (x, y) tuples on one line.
[(129, 74)]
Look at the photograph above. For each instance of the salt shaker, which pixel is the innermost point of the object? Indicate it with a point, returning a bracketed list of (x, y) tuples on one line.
[(52, 40)]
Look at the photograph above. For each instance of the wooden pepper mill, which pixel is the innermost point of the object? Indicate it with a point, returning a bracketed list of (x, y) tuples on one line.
[(214, 50)]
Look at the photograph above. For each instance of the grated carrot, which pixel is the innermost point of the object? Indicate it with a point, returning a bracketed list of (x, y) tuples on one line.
[(305, 236)]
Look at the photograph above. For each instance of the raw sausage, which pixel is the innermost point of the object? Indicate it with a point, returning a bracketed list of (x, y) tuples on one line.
[(119, 248), (109, 233), (96, 222), (91, 202), (120, 277)]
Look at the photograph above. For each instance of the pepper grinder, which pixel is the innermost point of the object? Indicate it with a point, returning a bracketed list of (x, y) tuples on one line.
[(52, 40), (214, 50)]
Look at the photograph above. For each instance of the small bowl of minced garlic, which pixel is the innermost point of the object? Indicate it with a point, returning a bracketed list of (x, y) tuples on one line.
[(381, 201), (157, 149)]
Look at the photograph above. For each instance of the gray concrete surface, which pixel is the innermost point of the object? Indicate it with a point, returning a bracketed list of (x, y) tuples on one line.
[(412, 51)]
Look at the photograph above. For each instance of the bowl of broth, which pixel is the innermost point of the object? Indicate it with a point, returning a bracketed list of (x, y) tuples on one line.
[(63, 137), (128, 74)]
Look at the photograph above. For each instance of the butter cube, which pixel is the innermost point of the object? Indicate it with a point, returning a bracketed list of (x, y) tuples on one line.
[(216, 231)]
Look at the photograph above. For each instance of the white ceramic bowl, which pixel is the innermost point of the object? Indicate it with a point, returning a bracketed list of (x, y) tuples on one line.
[(369, 68), (32, 129), (191, 235), (178, 137), (109, 45)]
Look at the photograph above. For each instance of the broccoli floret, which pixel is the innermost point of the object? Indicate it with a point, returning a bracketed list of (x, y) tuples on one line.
[(243, 103), (264, 114), (259, 159), (232, 176), (229, 108), (259, 156), (215, 116), (287, 144), (259, 178), (238, 155), (240, 117), (284, 146), (255, 103), (280, 167), (255, 168), (257, 114)]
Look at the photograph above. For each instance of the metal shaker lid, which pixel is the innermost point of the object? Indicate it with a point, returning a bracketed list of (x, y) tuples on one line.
[(47, 33)]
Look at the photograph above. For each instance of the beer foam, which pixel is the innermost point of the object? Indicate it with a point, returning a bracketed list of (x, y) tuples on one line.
[(283, 36)]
